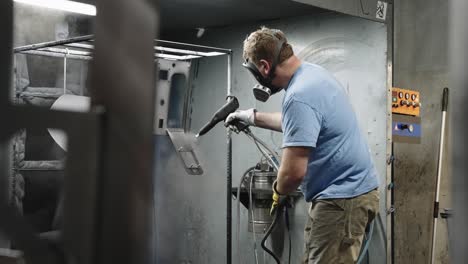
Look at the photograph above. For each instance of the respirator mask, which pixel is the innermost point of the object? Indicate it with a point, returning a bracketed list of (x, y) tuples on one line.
[(265, 88)]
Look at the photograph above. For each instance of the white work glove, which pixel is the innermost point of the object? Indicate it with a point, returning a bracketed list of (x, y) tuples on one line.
[(245, 116)]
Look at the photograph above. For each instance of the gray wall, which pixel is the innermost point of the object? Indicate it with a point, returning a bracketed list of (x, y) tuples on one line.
[(193, 219), (421, 63)]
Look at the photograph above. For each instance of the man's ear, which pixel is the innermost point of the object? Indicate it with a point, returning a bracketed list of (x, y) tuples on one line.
[(264, 67)]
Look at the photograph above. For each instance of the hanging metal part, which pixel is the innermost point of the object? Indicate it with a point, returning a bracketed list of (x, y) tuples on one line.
[(185, 148), (166, 71)]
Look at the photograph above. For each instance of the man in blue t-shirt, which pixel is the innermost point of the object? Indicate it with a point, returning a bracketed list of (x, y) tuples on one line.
[(324, 151)]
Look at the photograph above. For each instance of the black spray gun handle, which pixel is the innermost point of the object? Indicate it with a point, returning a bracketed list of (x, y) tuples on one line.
[(239, 126), (231, 106)]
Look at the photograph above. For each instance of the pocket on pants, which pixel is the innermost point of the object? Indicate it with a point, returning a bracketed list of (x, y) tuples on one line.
[(327, 217), (363, 210), (358, 221)]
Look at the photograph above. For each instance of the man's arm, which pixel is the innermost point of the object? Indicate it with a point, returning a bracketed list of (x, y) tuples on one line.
[(293, 169), (270, 121)]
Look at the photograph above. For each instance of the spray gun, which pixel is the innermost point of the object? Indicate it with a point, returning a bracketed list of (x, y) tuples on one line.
[(220, 115)]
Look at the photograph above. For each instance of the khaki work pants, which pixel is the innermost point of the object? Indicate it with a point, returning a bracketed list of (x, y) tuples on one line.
[(335, 228)]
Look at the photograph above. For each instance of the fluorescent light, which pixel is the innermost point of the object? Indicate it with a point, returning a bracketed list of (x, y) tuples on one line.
[(64, 5), (176, 57)]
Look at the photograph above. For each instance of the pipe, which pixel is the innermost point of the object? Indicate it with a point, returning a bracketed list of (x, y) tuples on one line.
[(189, 52), (81, 46), (439, 173), (226, 51), (67, 51), (56, 55), (53, 43), (229, 176)]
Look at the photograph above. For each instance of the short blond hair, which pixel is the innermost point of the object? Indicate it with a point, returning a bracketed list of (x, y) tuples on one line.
[(262, 44)]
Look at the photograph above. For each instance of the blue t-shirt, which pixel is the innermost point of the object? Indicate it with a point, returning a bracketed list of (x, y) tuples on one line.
[(317, 114)]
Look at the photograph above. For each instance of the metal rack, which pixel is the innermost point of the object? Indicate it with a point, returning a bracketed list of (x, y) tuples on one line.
[(81, 48)]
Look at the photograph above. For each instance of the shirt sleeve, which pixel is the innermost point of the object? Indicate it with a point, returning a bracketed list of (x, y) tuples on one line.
[(301, 125)]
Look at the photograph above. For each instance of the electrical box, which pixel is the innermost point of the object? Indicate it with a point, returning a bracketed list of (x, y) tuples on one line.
[(405, 102), (406, 120)]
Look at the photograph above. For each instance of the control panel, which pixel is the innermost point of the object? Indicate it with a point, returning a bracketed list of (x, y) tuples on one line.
[(405, 102)]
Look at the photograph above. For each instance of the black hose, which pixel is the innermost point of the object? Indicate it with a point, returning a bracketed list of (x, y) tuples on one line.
[(268, 233)]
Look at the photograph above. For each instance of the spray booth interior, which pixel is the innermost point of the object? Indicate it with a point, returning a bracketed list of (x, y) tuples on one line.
[(195, 181)]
